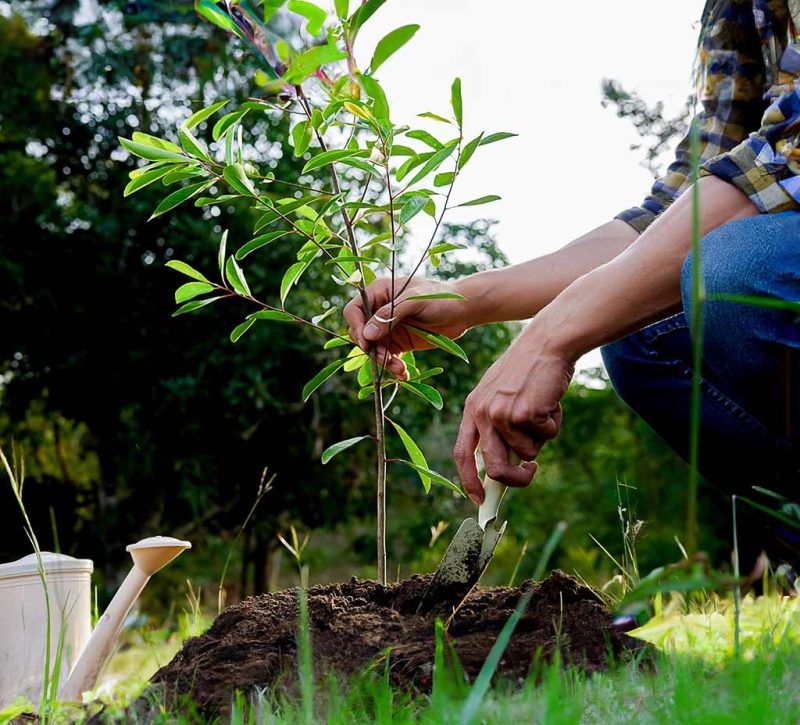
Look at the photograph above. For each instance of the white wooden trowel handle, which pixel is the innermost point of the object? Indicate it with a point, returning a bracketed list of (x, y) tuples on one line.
[(494, 492)]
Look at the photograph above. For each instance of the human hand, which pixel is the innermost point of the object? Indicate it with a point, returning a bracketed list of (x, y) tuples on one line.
[(384, 330), (516, 408)]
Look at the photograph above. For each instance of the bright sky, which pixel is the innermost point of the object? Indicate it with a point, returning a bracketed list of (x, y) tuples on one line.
[(535, 68)]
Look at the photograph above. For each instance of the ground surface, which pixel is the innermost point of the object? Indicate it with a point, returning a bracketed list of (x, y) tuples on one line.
[(254, 643)]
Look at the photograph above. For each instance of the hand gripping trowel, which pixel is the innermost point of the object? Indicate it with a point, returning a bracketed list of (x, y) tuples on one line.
[(469, 552)]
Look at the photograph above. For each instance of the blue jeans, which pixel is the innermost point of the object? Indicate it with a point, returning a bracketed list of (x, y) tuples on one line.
[(750, 409)]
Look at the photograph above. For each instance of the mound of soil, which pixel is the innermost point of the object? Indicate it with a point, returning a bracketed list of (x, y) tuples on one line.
[(254, 643)]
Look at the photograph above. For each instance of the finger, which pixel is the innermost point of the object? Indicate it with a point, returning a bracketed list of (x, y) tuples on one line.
[(522, 443), (377, 327), (495, 458), (355, 318), (397, 367), (464, 456)]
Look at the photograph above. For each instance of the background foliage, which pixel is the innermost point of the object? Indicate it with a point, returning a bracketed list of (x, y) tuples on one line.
[(134, 423)]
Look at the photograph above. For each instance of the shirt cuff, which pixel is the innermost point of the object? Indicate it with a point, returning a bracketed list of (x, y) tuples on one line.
[(754, 168), (637, 217)]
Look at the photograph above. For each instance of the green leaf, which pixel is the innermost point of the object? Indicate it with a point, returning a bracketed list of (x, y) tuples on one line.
[(190, 290), (184, 268), (208, 9), (365, 11), (427, 392), (469, 149), (197, 118), (435, 117), (258, 242), (239, 330), (306, 64), (323, 375), (337, 448), (178, 197), (151, 153), (440, 341), (380, 105), (235, 277), (435, 477), (270, 8), (437, 296), (443, 247), (145, 179), (271, 316), (335, 342), (237, 177), (412, 207), (772, 303), (456, 102), (193, 145), (147, 140), (226, 122), (196, 305), (342, 8), (434, 162), (390, 44), (331, 157), (415, 454), (355, 359), (481, 200), (412, 163), (223, 244), (500, 136), (444, 178), (315, 16), (294, 273), (301, 137), (426, 138)]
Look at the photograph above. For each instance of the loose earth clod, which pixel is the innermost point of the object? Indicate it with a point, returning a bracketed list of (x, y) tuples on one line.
[(254, 643)]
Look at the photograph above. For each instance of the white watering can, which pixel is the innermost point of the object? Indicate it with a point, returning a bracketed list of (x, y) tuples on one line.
[(23, 618)]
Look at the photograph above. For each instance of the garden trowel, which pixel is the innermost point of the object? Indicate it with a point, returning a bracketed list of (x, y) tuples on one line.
[(469, 552)]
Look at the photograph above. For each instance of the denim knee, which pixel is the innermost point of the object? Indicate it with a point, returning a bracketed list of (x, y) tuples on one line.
[(623, 361)]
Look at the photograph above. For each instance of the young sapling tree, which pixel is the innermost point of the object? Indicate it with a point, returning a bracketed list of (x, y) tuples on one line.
[(364, 180)]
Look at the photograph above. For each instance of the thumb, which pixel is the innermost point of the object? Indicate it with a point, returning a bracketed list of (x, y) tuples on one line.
[(378, 326)]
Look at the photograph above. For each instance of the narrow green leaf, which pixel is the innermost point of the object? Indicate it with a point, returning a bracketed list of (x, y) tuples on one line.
[(270, 8), (239, 330), (190, 290), (456, 102), (416, 455), (335, 342), (355, 359), (331, 157), (364, 12), (208, 9), (411, 163), (237, 177), (342, 8), (178, 197), (147, 140), (303, 66), (184, 268), (314, 15), (301, 137), (757, 301), (271, 316), (440, 341), (411, 208), (437, 296), (294, 273), (426, 392), (337, 448), (235, 276), (223, 244), (427, 138), (468, 151), (481, 200), (500, 136), (226, 122), (434, 162), (151, 153), (390, 44), (198, 117), (443, 179), (193, 145), (380, 105), (443, 247), (145, 179), (435, 117), (258, 242), (323, 375), (433, 475), (195, 305)]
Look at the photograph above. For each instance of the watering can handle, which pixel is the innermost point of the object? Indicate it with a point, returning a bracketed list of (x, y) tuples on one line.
[(494, 492)]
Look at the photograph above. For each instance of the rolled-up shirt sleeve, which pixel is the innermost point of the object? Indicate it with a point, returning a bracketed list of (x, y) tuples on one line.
[(731, 81), (765, 165)]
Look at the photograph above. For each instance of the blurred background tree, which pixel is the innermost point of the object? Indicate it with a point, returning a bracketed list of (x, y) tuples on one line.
[(134, 423)]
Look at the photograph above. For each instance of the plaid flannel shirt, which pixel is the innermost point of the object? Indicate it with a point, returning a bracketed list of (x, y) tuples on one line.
[(748, 125)]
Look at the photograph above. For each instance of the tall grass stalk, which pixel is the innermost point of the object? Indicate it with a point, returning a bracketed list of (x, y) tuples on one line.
[(305, 668), (696, 326), (737, 589)]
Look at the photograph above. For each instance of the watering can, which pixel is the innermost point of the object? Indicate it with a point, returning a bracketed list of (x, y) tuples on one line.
[(23, 618)]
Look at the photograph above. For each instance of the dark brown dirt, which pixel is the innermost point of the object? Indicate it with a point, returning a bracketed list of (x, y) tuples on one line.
[(254, 643)]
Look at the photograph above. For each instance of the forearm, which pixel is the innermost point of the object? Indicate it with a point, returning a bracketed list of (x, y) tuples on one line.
[(642, 284), (521, 290)]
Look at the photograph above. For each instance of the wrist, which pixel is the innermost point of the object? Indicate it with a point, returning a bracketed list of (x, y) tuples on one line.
[(558, 332), (479, 293)]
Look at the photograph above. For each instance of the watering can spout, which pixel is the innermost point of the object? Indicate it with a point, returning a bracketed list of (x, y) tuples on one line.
[(149, 555)]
